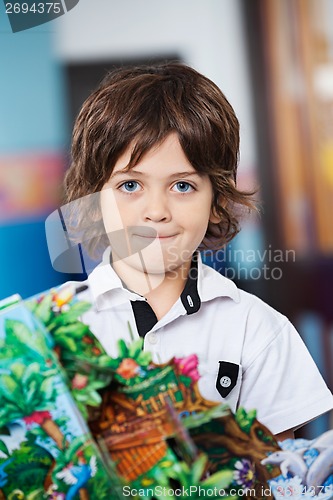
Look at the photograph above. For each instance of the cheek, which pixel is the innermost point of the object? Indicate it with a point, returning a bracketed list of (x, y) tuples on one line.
[(112, 211), (197, 226), (194, 215)]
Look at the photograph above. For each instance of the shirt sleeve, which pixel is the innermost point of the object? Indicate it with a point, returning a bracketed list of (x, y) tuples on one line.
[(284, 384)]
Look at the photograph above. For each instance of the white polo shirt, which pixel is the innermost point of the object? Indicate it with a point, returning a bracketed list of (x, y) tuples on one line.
[(249, 354)]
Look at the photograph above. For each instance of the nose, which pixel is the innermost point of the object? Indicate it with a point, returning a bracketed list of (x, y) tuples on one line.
[(157, 208)]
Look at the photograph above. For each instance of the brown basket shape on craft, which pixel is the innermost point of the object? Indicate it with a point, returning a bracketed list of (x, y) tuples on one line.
[(139, 444)]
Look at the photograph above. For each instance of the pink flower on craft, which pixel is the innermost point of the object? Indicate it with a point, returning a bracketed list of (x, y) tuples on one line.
[(79, 381), (128, 368), (37, 417), (188, 366)]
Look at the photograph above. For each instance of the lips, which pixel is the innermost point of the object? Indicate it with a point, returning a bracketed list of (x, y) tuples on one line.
[(159, 236), (149, 233)]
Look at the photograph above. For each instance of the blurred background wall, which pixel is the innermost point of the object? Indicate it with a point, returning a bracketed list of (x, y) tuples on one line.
[(33, 136), (274, 62)]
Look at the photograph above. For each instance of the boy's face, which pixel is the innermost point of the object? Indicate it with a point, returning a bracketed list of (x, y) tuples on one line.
[(163, 204)]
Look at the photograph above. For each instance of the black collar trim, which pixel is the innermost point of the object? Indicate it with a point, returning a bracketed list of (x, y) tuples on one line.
[(145, 317), (190, 296)]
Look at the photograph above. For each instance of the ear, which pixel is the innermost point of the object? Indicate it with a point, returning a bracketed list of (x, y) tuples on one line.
[(215, 218)]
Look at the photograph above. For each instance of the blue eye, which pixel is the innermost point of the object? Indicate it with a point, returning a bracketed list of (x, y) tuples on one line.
[(129, 186), (183, 187)]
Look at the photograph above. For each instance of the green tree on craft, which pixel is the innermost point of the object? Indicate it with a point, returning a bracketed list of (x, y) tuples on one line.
[(28, 393), (28, 388), (20, 340), (77, 348), (60, 316), (27, 467), (88, 367), (182, 476), (75, 344)]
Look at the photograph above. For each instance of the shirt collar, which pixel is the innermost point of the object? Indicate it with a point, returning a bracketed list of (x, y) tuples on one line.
[(106, 286), (212, 284), (203, 284)]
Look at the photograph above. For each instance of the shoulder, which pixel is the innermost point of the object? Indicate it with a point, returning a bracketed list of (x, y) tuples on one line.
[(260, 314), (242, 304), (253, 324), (266, 328)]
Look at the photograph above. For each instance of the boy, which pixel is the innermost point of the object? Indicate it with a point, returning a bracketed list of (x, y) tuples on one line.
[(154, 162)]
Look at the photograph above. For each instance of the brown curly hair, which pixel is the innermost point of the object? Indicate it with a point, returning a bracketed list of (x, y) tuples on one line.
[(141, 106)]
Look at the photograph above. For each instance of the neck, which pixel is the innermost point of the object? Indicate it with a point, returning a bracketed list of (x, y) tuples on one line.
[(163, 297), (160, 290)]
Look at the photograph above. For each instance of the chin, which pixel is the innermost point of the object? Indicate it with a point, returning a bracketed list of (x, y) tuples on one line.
[(157, 268)]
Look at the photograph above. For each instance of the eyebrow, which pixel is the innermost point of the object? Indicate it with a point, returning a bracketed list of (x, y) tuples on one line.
[(186, 173)]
